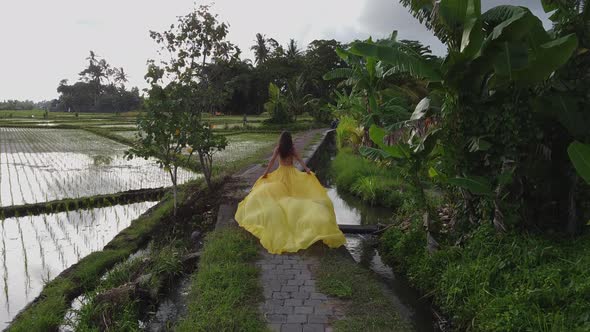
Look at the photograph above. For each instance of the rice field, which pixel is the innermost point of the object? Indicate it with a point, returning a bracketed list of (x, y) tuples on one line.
[(243, 145), (44, 164), (40, 165), (35, 249)]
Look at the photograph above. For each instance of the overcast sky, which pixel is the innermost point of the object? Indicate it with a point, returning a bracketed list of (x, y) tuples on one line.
[(45, 41)]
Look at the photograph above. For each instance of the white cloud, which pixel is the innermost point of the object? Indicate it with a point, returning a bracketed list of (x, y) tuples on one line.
[(46, 41)]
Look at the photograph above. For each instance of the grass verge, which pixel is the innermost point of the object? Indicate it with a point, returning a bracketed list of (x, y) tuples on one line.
[(225, 291), (510, 282), (367, 308), (85, 203)]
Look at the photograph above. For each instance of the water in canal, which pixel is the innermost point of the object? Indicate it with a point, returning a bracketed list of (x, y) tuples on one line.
[(351, 210)]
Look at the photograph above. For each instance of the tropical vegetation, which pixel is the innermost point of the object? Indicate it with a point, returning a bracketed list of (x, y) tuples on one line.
[(491, 141)]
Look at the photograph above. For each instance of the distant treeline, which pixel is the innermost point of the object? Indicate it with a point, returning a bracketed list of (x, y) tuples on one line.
[(101, 88), (20, 105)]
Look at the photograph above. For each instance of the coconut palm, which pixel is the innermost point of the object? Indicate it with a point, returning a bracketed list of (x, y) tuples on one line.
[(261, 51), (292, 50)]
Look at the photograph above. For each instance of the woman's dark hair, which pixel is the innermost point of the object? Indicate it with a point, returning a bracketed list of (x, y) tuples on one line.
[(285, 145)]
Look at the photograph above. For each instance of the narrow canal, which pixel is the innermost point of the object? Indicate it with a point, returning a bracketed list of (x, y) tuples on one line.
[(350, 210)]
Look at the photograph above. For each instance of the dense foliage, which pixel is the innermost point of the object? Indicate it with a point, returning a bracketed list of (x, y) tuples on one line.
[(101, 88), (497, 132), (18, 105)]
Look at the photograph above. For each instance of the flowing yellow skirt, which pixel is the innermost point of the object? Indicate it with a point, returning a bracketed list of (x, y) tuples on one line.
[(288, 211)]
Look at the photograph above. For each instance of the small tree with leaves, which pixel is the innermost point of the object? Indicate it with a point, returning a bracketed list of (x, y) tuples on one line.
[(206, 144), (165, 129), (179, 94)]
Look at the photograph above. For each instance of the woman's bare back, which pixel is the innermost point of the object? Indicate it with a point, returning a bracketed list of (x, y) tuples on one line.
[(288, 161)]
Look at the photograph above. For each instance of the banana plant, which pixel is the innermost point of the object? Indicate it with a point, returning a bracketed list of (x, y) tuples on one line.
[(505, 45), (496, 53), (368, 81), (412, 151), (277, 105)]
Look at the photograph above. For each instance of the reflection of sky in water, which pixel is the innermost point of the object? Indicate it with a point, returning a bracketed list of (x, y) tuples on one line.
[(39, 165), (35, 249), (345, 214), (350, 210)]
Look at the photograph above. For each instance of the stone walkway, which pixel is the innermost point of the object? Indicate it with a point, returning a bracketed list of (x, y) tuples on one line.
[(291, 300)]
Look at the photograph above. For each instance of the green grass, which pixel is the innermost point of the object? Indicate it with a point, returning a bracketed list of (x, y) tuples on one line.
[(225, 291), (72, 204), (373, 184), (367, 308), (161, 264), (512, 282)]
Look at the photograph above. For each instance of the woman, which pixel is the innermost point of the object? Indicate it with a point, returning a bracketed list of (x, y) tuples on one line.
[(289, 210)]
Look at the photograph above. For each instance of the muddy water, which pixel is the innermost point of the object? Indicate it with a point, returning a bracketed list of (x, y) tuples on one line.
[(40, 165), (35, 249), (352, 211)]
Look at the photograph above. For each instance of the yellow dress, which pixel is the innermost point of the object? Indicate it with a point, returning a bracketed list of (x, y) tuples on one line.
[(288, 211)]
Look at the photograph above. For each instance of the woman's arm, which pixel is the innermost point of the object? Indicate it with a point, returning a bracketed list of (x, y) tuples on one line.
[(301, 162), (271, 162)]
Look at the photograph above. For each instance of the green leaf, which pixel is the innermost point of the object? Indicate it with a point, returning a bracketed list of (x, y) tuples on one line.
[(373, 153), (547, 59), (579, 154), (339, 73), (564, 108), (475, 184), (377, 135), (514, 56), (402, 59), (549, 5), (472, 38), (479, 144)]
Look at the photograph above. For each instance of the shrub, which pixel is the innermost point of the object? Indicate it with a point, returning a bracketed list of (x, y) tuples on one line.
[(349, 133), (367, 180)]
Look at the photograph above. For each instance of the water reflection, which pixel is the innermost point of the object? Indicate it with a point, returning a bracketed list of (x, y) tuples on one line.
[(39, 165), (351, 210), (35, 249)]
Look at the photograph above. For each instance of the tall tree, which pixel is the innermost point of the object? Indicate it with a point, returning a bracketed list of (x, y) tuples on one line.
[(292, 50), (261, 52)]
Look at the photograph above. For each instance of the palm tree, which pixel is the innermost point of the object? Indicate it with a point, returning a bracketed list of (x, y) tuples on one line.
[(120, 76), (260, 49), (292, 49)]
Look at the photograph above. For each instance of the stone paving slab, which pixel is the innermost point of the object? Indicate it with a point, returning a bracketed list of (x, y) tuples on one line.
[(292, 302)]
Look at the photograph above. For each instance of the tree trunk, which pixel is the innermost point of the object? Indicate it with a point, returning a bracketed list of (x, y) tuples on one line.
[(174, 178), (206, 170)]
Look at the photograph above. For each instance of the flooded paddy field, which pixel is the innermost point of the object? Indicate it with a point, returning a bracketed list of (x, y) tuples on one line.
[(39, 165), (244, 145), (35, 249)]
